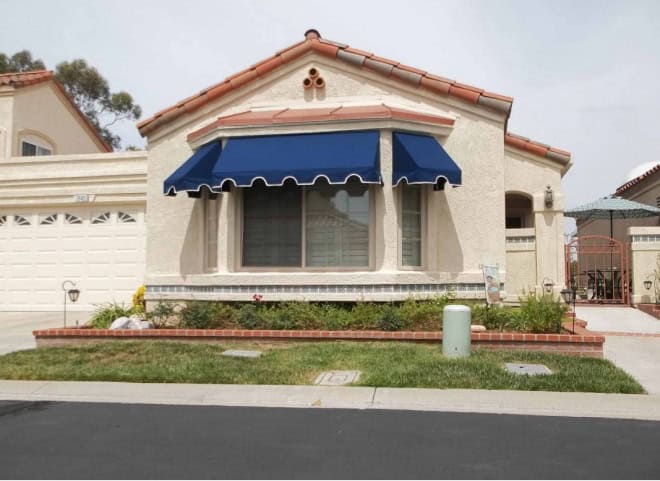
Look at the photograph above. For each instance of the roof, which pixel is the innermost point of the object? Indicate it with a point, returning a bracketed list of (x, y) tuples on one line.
[(621, 189), (24, 79), (358, 58), (537, 148), (294, 116)]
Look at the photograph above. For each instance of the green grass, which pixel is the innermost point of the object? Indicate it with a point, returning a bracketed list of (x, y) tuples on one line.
[(382, 364)]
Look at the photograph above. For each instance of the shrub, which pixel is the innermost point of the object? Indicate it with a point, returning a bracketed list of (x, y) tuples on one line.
[(542, 314), (162, 314), (334, 318), (365, 315), (105, 314), (494, 317), (390, 319), (198, 315), (138, 299), (248, 316), (422, 314)]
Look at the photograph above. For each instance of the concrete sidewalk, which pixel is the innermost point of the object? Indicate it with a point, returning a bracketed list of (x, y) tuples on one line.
[(619, 406)]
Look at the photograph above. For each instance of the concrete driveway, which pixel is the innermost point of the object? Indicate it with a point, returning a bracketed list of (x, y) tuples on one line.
[(16, 327), (632, 341)]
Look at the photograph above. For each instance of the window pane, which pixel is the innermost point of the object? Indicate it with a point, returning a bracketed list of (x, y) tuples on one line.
[(28, 149), (337, 225), (411, 225), (272, 226)]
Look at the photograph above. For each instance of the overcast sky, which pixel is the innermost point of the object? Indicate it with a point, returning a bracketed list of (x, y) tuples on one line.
[(584, 74)]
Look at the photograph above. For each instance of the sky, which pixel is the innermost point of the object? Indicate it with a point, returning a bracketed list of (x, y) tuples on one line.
[(583, 74)]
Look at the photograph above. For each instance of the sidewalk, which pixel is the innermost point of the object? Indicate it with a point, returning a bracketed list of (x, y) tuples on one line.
[(620, 406)]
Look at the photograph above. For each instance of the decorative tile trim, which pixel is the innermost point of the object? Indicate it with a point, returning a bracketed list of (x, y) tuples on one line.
[(646, 238), (525, 239), (317, 289)]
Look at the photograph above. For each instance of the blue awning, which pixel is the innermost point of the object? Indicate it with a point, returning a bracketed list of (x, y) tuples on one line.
[(195, 172), (420, 159), (304, 158)]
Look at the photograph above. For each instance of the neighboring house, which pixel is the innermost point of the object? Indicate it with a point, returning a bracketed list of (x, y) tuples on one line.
[(69, 209), (327, 173)]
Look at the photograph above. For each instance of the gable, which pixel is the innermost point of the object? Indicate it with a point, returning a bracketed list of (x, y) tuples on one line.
[(313, 43)]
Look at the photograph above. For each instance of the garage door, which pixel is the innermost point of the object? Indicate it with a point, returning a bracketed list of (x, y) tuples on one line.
[(102, 250)]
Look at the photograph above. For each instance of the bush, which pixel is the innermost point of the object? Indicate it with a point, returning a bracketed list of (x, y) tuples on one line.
[(390, 319), (105, 314), (494, 318), (162, 314), (365, 315), (540, 315), (198, 315), (138, 299), (422, 314), (248, 316)]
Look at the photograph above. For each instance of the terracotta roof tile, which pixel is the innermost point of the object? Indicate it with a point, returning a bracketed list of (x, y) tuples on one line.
[(621, 189), (360, 58), (537, 148), (283, 116)]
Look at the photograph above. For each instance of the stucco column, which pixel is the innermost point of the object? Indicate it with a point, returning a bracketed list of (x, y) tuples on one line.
[(549, 225), (386, 220)]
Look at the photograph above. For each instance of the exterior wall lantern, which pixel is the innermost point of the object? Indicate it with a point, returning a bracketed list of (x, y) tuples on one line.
[(72, 294), (648, 283), (548, 285), (569, 296), (549, 197)]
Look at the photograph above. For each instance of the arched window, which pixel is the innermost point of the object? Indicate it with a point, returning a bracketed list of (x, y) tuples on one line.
[(519, 211), (32, 144)]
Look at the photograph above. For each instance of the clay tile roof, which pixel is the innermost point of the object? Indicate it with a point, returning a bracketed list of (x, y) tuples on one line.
[(323, 114), (24, 79), (621, 189), (342, 52), (537, 148)]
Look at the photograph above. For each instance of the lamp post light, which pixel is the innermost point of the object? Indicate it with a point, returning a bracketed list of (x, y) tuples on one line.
[(647, 285), (569, 296), (72, 294)]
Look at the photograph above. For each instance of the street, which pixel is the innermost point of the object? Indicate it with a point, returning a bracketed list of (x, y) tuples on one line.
[(97, 440)]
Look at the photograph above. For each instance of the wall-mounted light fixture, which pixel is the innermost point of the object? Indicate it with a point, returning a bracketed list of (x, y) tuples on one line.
[(570, 296), (549, 197), (548, 285)]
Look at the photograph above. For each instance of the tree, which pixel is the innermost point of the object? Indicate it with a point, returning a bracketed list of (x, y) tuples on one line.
[(88, 89), (20, 62)]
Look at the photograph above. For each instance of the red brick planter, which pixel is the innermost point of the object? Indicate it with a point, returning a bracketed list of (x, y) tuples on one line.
[(582, 344)]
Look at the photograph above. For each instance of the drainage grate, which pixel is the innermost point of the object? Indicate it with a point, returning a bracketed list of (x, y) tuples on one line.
[(529, 369)]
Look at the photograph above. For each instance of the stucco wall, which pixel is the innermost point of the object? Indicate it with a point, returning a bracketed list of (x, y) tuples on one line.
[(644, 252), (6, 113), (529, 175), (41, 110), (465, 225)]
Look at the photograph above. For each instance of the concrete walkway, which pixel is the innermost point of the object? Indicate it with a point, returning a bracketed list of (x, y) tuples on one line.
[(620, 406), (632, 341), (16, 327)]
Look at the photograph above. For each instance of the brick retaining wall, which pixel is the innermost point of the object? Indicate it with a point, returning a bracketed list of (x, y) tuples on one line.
[(582, 344)]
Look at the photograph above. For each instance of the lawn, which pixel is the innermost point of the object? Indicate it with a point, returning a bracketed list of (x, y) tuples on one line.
[(382, 365)]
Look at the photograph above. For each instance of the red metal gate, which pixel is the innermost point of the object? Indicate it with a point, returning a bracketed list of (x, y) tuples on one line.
[(598, 268)]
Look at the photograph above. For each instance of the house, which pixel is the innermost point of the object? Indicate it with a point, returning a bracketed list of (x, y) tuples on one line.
[(69, 208), (328, 173)]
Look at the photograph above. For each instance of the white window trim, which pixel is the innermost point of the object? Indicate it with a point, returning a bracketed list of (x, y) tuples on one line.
[(206, 204), (238, 247)]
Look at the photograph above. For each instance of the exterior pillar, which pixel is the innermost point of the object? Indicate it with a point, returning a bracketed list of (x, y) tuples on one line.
[(386, 220), (549, 233)]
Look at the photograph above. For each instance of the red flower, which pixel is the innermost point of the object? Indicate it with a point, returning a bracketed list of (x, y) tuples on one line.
[(257, 297)]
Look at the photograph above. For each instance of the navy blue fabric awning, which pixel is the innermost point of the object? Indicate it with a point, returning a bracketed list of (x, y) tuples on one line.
[(195, 172), (304, 158), (420, 159)]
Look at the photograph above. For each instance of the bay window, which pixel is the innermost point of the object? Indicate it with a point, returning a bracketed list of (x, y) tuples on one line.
[(312, 226)]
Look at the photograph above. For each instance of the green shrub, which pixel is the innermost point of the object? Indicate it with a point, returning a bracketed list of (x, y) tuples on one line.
[(335, 318), (365, 315), (248, 316), (422, 314), (390, 319), (542, 314), (495, 318), (162, 314), (105, 314), (198, 315)]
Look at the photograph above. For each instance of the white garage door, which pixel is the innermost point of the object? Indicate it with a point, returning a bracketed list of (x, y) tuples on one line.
[(102, 250)]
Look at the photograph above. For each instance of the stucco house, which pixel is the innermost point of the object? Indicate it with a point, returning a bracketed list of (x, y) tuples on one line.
[(328, 173), (69, 208)]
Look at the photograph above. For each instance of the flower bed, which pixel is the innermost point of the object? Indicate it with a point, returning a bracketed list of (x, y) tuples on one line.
[(572, 344)]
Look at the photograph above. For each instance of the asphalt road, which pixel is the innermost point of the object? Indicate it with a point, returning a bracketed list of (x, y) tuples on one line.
[(79, 440)]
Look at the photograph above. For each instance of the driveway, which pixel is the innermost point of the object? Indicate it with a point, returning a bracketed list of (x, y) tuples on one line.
[(632, 341), (16, 327)]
